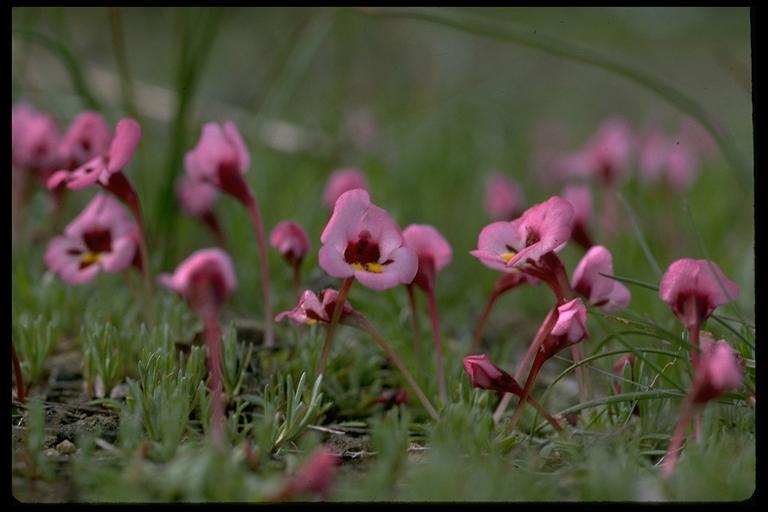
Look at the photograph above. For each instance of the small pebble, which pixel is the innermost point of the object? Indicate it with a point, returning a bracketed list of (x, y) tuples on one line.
[(66, 447), (51, 452)]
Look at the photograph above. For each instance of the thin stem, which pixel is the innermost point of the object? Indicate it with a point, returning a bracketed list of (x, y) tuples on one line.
[(213, 340), (296, 267), (580, 376), (365, 325), (673, 452), (537, 364), (477, 337), (253, 210), (210, 220), (340, 300), (414, 313), (541, 335), (17, 374), (552, 421), (434, 317), (693, 334)]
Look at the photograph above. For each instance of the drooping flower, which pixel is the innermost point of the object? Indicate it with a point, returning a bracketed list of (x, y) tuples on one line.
[(35, 140), (342, 181), (101, 238), (87, 137), (694, 288), (604, 156), (363, 241), (290, 239), (603, 292), (206, 279), (503, 197), (312, 308), (675, 159), (221, 159), (313, 477), (570, 328), (196, 197), (580, 197), (543, 228), (719, 371), (432, 250), (101, 168)]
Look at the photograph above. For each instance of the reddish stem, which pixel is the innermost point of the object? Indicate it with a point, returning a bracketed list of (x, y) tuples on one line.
[(340, 300), (253, 210), (537, 364), (541, 410), (434, 317), (213, 340), (673, 452), (17, 374), (210, 220), (693, 334), (477, 337)]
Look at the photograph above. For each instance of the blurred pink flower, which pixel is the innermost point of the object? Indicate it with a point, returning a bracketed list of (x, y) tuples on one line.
[(206, 279), (196, 197), (718, 371), (503, 197), (432, 250), (35, 140), (694, 288), (101, 238), (618, 369), (219, 158), (392, 397), (104, 166), (543, 228), (485, 375), (603, 292), (87, 137), (580, 197), (363, 241), (696, 136), (312, 309), (290, 239), (313, 477), (605, 155), (342, 181), (675, 160)]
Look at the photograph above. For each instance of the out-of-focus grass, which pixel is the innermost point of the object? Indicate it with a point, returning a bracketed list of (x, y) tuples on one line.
[(449, 107)]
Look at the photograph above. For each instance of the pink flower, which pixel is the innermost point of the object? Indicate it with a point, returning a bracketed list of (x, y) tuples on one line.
[(653, 148), (570, 328), (694, 288), (603, 292), (485, 375), (503, 197), (618, 369), (392, 397), (682, 165), (676, 160), (101, 167), (696, 136), (102, 237), (718, 371), (205, 280), (290, 239), (605, 155), (363, 241), (580, 197), (362, 130), (87, 137), (313, 477), (342, 181), (543, 228), (313, 309), (432, 251), (35, 139), (220, 152), (196, 197)]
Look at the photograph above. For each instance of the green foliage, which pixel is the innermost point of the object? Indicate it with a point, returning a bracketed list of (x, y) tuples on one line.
[(35, 340)]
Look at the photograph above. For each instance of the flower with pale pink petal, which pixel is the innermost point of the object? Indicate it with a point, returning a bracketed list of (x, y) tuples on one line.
[(205, 280), (485, 375), (432, 250), (196, 197), (102, 167), (313, 309), (313, 477), (290, 239), (543, 228), (363, 241), (605, 155), (35, 140), (220, 153), (603, 292), (718, 371), (342, 181), (694, 288), (503, 197), (101, 238), (570, 328), (87, 137)]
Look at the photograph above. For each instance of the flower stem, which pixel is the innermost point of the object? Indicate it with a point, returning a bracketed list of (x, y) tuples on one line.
[(213, 340), (17, 374), (210, 220), (552, 421), (341, 298), (541, 335), (434, 317), (693, 334), (537, 364), (414, 313), (253, 210), (365, 325), (580, 377), (673, 452), (477, 337)]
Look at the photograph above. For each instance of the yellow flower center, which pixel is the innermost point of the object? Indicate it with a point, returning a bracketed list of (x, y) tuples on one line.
[(506, 256), (311, 321), (376, 268), (90, 257)]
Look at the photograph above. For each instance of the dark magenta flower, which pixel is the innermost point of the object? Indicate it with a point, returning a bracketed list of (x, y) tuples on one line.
[(291, 241), (313, 477)]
